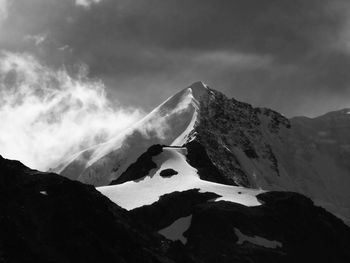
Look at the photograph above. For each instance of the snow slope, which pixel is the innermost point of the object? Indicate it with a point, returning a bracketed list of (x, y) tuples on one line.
[(171, 123), (147, 190)]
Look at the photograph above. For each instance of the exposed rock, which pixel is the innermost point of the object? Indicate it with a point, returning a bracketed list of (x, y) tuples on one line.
[(198, 158), (168, 173), (141, 167)]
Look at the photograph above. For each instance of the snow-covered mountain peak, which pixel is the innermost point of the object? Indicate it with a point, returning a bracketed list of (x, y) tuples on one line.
[(171, 123), (250, 147), (199, 89)]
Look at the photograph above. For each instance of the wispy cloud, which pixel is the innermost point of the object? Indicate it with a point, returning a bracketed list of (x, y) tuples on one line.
[(86, 3), (47, 115), (37, 39)]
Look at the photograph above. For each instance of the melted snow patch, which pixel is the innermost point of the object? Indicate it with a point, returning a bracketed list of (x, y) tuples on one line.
[(176, 230), (150, 188), (256, 240)]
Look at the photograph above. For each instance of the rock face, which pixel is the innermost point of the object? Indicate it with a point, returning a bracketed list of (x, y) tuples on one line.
[(237, 138), (259, 148), (141, 167), (48, 218), (246, 146)]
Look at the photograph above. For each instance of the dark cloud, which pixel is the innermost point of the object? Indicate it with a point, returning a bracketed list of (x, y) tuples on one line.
[(291, 55)]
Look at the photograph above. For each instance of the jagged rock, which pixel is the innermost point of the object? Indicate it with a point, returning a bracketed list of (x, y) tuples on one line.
[(168, 173)]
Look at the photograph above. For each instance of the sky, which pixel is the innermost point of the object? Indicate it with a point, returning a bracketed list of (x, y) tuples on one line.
[(289, 55), (76, 72)]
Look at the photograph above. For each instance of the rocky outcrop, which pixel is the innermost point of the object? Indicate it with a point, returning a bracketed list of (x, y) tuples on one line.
[(141, 167)]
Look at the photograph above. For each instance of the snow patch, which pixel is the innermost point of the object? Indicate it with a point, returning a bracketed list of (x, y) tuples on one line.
[(256, 240), (176, 230), (150, 188)]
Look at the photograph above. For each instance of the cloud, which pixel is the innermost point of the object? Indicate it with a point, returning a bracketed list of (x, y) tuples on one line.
[(341, 41), (234, 59), (37, 39), (86, 3), (3, 9), (267, 52), (48, 115)]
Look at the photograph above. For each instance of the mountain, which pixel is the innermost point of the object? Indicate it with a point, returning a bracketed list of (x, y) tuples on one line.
[(251, 147), (48, 218)]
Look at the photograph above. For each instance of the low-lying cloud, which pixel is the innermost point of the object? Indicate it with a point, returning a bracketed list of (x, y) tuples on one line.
[(47, 115)]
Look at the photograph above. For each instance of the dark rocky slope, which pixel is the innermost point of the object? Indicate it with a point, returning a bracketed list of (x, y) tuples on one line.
[(260, 148), (229, 129), (48, 218), (141, 167)]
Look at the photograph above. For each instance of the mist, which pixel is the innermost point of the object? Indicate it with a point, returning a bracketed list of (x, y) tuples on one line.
[(48, 115)]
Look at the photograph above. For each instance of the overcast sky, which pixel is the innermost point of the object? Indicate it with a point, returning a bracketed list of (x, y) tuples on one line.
[(290, 55)]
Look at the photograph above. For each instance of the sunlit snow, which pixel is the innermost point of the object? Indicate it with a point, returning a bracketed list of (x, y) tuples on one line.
[(146, 191)]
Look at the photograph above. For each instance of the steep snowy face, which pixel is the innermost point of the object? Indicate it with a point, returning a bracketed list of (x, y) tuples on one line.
[(171, 123)]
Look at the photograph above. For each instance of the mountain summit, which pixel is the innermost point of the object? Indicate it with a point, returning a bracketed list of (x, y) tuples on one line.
[(171, 123)]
